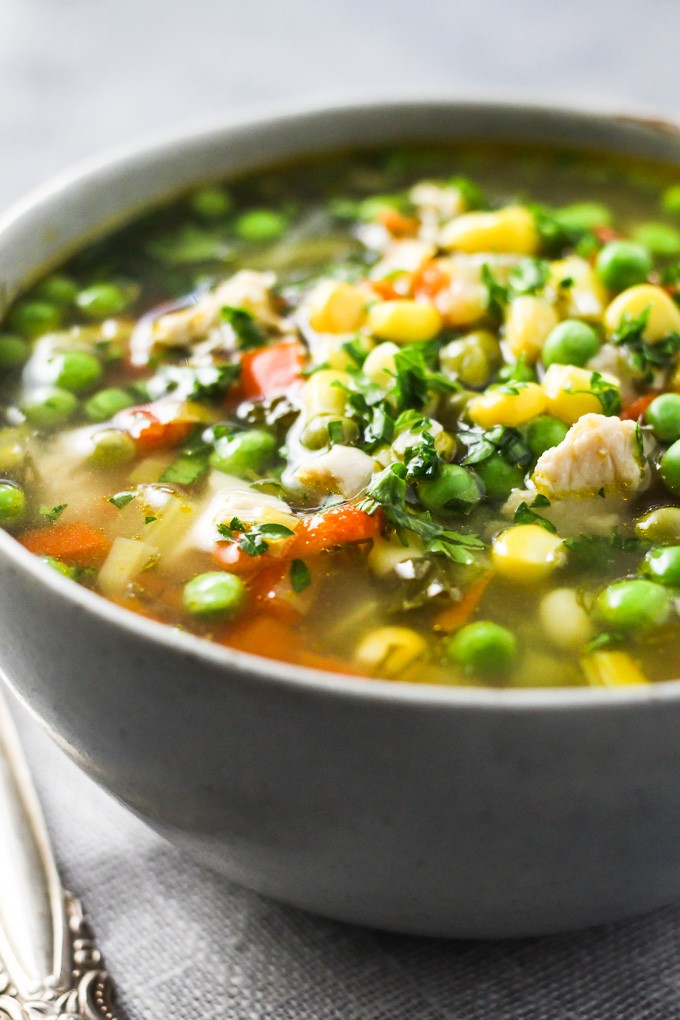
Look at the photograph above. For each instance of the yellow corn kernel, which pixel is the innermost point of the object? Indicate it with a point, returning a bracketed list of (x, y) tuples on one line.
[(527, 325), (612, 669), (579, 293), (389, 650), (512, 405), (527, 553), (664, 314), (564, 619), (569, 392), (405, 321), (379, 367), (336, 307), (512, 229), (323, 393)]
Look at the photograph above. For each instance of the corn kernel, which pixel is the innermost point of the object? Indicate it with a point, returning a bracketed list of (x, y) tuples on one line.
[(379, 367), (404, 321), (579, 293), (323, 393), (564, 619), (336, 307), (509, 406), (512, 229), (389, 650), (527, 325), (569, 392), (527, 553), (612, 669), (664, 314)]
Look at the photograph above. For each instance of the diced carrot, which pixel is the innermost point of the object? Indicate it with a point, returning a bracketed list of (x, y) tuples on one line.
[(272, 591), (430, 280), (275, 639), (457, 615), (606, 234), (76, 543), (638, 407), (397, 223), (232, 557), (152, 428), (341, 525), (387, 290), (269, 371)]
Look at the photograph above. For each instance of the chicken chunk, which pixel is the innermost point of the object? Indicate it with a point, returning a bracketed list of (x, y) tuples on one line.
[(598, 453), (343, 469)]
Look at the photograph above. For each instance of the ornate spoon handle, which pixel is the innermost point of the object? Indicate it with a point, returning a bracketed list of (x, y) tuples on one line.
[(50, 968)]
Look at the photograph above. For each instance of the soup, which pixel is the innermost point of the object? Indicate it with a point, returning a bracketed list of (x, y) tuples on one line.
[(411, 414)]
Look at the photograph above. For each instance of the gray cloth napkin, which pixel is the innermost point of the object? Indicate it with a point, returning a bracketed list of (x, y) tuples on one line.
[(185, 944)]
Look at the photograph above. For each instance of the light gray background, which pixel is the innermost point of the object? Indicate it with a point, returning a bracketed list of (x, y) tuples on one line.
[(77, 76)]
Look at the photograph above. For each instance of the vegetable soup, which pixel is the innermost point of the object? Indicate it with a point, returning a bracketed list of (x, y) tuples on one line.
[(411, 414)]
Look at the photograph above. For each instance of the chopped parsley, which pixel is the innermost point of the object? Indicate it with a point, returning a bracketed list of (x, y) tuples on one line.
[(53, 513), (300, 575), (253, 541), (246, 331), (193, 382), (122, 499), (525, 514)]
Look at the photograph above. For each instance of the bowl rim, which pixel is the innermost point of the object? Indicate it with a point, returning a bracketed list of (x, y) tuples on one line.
[(257, 668)]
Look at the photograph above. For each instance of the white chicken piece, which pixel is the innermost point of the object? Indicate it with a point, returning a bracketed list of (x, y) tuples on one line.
[(342, 469), (597, 453), (187, 326)]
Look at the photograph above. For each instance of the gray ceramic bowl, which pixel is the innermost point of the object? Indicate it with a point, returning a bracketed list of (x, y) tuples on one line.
[(420, 809)]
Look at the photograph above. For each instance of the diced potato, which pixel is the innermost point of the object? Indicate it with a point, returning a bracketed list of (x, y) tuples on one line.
[(612, 669), (127, 558), (527, 553), (380, 366), (570, 393), (528, 322), (404, 321), (336, 307), (512, 229), (330, 349), (664, 314), (511, 405), (342, 469), (324, 393), (386, 554), (578, 291)]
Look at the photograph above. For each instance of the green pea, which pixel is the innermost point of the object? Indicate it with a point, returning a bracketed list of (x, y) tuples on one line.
[(635, 604), (101, 300), (669, 468), (663, 565), (111, 448), (260, 225), (107, 403), (245, 453), (670, 200), (544, 432), (320, 429), (584, 216), (499, 476), (658, 238), (60, 566), (663, 414), (216, 593), (12, 505), (661, 525), (483, 647), (75, 371), (622, 264), (49, 407), (473, 358), (453, 488), (571, 342), (211, 203), (33, 318), (57, 289), (13, 352)]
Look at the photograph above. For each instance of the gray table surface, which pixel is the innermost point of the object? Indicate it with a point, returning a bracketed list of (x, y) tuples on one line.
[(78, 76)]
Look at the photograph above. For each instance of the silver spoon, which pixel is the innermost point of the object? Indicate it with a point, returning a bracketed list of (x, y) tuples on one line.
[(50, 968)]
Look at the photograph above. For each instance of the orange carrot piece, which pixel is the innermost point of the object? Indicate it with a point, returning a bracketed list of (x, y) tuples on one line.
[(269, 371), (77, 543), (342, 525), (398, 224), (430, 280), (457, 615), (638, 407), (148, 429)]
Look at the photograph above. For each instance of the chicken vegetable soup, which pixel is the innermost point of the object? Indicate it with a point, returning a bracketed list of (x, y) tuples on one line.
[(411, 414)]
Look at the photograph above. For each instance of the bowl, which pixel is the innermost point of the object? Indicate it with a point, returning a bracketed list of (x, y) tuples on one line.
[(428, 810)]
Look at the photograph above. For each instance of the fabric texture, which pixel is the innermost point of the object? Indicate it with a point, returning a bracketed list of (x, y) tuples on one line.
[(185, 944)]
